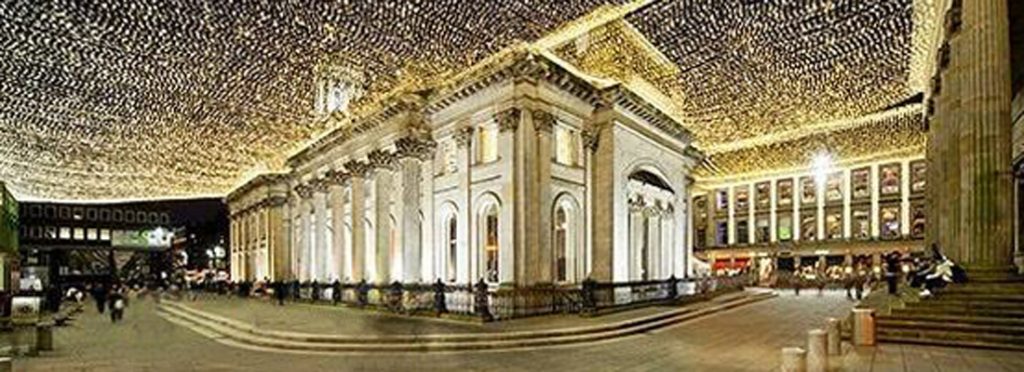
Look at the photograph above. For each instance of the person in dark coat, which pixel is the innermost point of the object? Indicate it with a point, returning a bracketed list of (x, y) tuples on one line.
[(892, 270), (336, 292), (99, 293), (117, 305)]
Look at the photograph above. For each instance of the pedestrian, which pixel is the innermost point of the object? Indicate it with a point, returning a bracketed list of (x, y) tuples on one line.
[(892, 269), (335, 292), (796, 280), (100, 295), (280, 291), (117, 305)]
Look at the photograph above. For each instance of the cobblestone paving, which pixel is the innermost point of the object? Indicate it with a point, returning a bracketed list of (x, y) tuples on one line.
[(743, 339)]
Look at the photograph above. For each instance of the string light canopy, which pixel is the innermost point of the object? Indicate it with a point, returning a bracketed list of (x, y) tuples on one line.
[(128, 99)]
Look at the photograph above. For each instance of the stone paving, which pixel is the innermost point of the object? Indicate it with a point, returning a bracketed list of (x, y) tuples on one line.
[(327, 319), (743, 339)]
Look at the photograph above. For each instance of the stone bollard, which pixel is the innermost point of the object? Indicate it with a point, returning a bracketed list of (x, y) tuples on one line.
[(794, 359), (864, 327), (817, 351), (44, 337), (835, 346), (6, 364)]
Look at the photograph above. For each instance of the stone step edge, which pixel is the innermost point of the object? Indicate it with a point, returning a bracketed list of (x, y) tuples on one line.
[(312, 337), (950, 326), (905, 316), (952, 335), (427, 345), (949, 342)]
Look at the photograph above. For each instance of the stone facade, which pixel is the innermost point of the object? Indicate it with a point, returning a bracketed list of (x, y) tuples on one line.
[(520, 173)]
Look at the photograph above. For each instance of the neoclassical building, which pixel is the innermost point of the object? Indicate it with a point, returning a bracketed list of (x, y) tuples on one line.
[(519, 171)]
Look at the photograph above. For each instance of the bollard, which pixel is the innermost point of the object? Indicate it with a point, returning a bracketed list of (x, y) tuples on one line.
[(794, 359), (864, 327), (44, 337), (6, 365), (835, 346), (817, 353)]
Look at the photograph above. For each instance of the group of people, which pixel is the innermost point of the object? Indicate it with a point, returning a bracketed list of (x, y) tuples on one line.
[(855, 279), (111, 299)]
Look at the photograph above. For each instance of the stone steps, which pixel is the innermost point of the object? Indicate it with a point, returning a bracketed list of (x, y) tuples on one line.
[(241, 334), (986, 312)]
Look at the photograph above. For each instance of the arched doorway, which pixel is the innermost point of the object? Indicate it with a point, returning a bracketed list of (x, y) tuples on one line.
[(650, 226)]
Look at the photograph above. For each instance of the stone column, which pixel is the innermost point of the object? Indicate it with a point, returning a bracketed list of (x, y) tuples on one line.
[(305, 194), (318, 267), (464, 263), (539, 201), (358, 170), (986, 198), (411, 154), (604, 193), (384, 164), (277, 244), (336, 266), (590, 139), (512, 148)]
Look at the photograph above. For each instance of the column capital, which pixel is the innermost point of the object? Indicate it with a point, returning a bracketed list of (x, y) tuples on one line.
[(591, 138), (464, 135), (304, 191), (414, 147), (357, 168), (543, 121), (508, 120), (382, 159), (339, 178)]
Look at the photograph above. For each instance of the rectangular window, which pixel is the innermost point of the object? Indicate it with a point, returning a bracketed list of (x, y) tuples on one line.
[(861, 224), (889, 218), (785, 193), (808, 227), (742, 232), (65, 233), (721, 233), (918, 176), (91, 214), (889, 180), (78, 213), (722, 200), (762, 196), (834, 224), (105, 235), (79, 233), (762, 234), (785, 227), (808, 192), (65, 213), (51, 232), (91, 234), (917, 221), (742, 199), (860, 180), (834, 188)]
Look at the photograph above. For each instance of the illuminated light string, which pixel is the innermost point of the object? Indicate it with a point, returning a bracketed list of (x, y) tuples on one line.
[(143, 99)]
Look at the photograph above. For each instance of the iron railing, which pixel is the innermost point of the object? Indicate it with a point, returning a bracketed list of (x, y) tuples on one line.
[(489, 302)]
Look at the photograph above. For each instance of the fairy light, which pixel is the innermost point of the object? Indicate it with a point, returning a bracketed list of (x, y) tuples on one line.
[(140, 99)]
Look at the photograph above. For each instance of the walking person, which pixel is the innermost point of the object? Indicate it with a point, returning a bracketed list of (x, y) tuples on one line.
[(100, 295), (335, 292), (117, 305)]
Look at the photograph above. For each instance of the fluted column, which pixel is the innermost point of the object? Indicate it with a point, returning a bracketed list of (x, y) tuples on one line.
[(464, 264), (318, 264), (384, 164), (986, 135), (541, 203), (412, 152), (606, 197), (337, 269), (305, 194), (514, 256), (357, 183)]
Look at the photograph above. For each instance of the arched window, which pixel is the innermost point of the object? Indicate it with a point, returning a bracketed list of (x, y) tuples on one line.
[(452, 244), (491, 247), (561, 244)]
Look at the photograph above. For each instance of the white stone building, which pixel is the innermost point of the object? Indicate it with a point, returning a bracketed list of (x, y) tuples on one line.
[(520, 171)]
